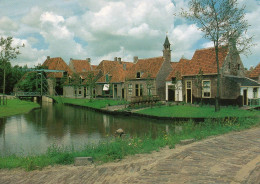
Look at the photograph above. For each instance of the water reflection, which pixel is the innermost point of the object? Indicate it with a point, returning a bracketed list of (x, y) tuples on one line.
[(65, 125)]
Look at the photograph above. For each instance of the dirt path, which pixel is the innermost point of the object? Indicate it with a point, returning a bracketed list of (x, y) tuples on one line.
[(231, 158)]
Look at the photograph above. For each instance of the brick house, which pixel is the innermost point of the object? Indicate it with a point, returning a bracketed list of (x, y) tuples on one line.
[(147, 76), (54, 79), (112, 81), (174, 81), (76, 85), (199, 78)]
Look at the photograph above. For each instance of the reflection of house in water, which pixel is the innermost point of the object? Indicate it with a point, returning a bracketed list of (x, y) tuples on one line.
[(106, 123)]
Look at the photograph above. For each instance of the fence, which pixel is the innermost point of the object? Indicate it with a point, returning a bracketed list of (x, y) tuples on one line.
[(254, 102)]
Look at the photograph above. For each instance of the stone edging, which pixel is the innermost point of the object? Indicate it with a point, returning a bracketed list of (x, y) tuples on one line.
[(129, 113)]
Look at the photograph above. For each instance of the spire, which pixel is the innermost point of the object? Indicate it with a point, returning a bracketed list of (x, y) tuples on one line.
[(166, 44)]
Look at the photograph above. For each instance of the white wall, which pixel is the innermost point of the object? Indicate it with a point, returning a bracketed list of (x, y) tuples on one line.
[(250, 92), (178, 90)]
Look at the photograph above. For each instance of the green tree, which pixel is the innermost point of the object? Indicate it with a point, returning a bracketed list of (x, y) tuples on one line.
[(222, 22), (91, 80), (7, 53)]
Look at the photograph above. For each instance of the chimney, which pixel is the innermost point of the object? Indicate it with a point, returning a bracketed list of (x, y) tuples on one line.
[(89, 60), (119, 60), (48, 57), (124, 66), (115, 58), (71, 59), (135, 59)]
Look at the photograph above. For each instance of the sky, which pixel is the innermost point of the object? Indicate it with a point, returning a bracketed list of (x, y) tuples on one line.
[(104, 29)]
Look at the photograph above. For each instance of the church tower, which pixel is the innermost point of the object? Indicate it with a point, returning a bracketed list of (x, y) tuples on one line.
[(167, 50)]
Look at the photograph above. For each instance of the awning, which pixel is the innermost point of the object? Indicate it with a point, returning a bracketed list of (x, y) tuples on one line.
[(106, 87)]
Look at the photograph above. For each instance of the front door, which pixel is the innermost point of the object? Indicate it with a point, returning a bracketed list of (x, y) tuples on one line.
[(245, 101), (188, 92), (171, 95), (123, 93)]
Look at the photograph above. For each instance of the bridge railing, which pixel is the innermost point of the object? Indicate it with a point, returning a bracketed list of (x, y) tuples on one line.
[(29, 94)]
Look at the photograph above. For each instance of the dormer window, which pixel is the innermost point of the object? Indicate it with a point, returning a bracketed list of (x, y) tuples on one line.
[(138, 75), (173, 80)]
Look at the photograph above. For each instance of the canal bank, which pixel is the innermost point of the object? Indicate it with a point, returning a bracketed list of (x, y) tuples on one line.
[(227, 113), (231, 158)]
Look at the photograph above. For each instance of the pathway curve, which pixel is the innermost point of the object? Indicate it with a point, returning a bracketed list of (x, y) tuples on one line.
[(231, 158)]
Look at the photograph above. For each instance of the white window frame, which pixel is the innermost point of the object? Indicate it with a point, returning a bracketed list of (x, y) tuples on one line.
[(130, 89), (203, 96)]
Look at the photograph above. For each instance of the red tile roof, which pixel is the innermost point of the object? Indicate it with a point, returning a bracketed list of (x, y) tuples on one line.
[(80, 65), (56, 64), (180, 67), (117, 70), (205, 59), (148, 67), (255, 72)]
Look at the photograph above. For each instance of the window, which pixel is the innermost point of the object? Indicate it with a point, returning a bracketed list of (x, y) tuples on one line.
[(80, 92), (254, 92), (238, 66), (188, 84), (137, 90), (206, 89), (130, 87), (229, 65), (138, 75), (141, 90)]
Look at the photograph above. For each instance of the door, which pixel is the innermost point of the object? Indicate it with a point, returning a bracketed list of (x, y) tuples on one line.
[(188, 98), (171, 95), (188, 92), (115, 91), (123, 93), (245, 101)]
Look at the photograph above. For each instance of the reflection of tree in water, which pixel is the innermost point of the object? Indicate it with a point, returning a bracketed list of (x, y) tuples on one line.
[(2, 125), (58, 120)]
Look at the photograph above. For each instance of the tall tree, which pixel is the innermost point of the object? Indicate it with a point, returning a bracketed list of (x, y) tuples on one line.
[(223, 23), (7, 53)]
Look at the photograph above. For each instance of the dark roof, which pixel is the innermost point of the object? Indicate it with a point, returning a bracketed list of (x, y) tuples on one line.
[(166, 42), (244, 81)]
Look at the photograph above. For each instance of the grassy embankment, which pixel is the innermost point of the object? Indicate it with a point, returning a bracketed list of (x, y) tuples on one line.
[(198, 112), (117, 148), (94, 103), (16, 106)]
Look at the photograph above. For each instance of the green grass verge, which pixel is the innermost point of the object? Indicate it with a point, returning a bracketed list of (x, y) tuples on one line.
[(16, 106), (94, 103), (197, 112), (118, 148)]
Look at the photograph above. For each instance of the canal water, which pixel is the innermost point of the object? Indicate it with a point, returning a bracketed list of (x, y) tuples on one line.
[(68, 126)]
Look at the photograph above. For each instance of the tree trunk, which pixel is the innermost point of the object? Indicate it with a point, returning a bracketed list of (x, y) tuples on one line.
[(217, 105), (4, 82)]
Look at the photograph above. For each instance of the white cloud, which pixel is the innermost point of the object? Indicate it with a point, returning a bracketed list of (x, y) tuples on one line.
[(184, 38), (7, 26), (107, 28)]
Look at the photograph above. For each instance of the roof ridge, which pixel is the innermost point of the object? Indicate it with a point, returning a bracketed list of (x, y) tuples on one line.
[(151, 58)]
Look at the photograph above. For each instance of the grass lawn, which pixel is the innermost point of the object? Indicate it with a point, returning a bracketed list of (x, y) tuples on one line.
[(197, 112), (16, 106), (117, 148), (95, 103)]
